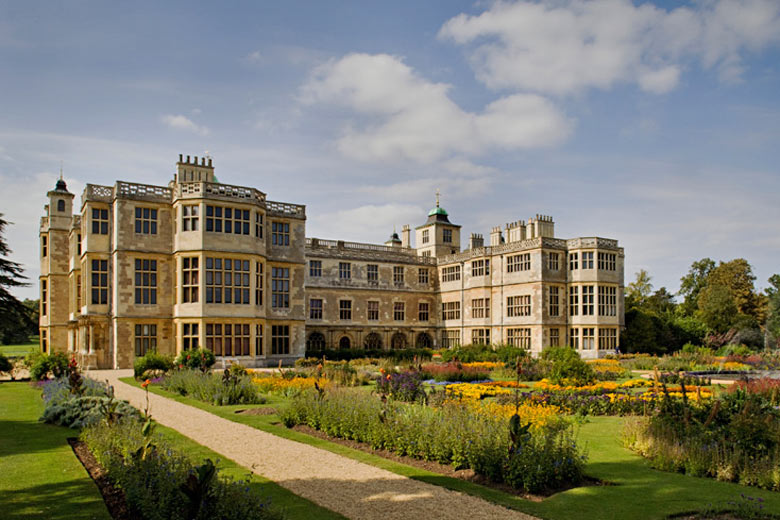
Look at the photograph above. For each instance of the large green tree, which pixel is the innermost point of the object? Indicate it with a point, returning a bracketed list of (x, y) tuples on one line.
[(692, 284), (14, 318), (773, 311), (639, 290)]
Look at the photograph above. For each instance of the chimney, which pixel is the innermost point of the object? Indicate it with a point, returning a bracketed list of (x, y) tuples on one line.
[(476, 240), (496, 239), (406, 236)]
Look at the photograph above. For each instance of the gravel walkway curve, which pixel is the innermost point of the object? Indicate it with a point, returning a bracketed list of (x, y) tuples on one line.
[(351, 488)]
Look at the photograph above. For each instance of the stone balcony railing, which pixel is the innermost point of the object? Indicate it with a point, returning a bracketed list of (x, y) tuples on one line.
[(285, 209), (215, 190), (131, 190)]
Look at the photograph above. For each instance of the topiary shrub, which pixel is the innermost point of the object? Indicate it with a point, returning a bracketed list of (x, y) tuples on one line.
[(151, 361), (201, 359), (567, 366), (41, 365)]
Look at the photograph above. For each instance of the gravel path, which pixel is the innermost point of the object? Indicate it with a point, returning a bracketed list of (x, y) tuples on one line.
[(349, 487)]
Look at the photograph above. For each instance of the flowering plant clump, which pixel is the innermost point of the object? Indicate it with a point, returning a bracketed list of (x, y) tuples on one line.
[(455, 371), (607, 369), (404, 386), (596, 388), (489, 365), (766, 387), (200, 359), (286, 386)]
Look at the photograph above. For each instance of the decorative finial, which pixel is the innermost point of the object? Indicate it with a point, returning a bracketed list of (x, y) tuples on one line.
[(437, 197), (61, 170)]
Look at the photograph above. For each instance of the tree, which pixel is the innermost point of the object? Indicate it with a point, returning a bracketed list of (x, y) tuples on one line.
[(717, 308), (737, 276), (692, 283), (13, 313), (773, 311), (638, 290)]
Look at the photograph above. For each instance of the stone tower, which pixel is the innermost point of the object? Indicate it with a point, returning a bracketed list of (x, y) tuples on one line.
[(438, 236)]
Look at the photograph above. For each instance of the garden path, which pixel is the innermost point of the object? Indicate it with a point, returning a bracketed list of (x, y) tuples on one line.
[(351, 488)]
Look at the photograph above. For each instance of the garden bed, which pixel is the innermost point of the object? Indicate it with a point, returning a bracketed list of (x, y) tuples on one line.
[(113, 497)]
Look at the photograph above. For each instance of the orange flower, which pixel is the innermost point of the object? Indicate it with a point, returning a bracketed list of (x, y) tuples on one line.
[(381, 370), (145, 383), (388, 377)]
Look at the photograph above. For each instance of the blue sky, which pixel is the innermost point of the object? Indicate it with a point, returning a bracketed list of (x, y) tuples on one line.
[(653, 123)]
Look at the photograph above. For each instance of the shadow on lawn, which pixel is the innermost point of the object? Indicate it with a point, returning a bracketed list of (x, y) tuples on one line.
[(19, 437), (56, 501)]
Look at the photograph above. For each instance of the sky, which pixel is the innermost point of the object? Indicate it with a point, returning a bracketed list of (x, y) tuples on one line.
[(653, 123)]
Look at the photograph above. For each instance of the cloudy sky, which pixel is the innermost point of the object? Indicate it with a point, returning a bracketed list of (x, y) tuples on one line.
[(655, 123)]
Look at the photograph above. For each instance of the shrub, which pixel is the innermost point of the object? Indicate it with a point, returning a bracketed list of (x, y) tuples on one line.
[(41, 365), (342, 373), (567, 366), (93, 401), (5, 364), (152, 361), (154, 486), (455, 371), (213, 388), (237, 369), (544, 462), (201, 359)]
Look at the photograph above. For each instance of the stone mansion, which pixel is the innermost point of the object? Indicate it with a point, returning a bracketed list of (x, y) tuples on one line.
[(200, 263)]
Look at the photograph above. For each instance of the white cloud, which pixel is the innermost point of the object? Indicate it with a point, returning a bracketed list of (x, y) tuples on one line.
[(180, 122), (409, 117), (564, 46)]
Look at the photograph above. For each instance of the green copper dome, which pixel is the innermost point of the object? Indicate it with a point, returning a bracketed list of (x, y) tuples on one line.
[(437, 211)]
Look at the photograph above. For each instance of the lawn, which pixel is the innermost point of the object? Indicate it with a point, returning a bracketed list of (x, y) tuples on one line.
[(40, 477), (637, 491), (20, 350)]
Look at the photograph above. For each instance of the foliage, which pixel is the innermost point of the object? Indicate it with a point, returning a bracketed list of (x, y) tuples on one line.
[(638, 290), (201, 359), (79, 407), (406, 386), (41, 365), (692, 283), (15, 320), (165, 484), (152, 361), (773, 307), (766, 387), (451, 434), (455, 371), (407, 354), (566, 365), (213, 388), (608, 369), (474, 353), (5, 364)]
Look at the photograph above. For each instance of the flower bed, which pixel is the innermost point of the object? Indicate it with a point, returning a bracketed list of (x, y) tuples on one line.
[(213, 388), (454, 371), (287, 386)]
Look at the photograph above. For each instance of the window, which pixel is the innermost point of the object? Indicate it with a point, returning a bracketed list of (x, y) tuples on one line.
[(587, 300), (555, 337), (345, 270), (553, 261), (189, 217), (574, 301), (450, 274), (315, 268), (44, 246), (259, 225), (606, 261), (228, 339), (573, 261), (450, 338), (44, 297), (78, 245), (425, 236), (607, 339), (316, 341), (554, 308), (259, 269), (146, 221), (399, 311), (480, 267), (44, 345), (518, 263), (227, 281), (280, 339), (145, 282), (446, 236), (78, 292), (423, 311), (423, 276), (607, 301), (373, 341), (99, 282), (588, 339), (373, 311), (258, 340), (280, 233), (345, 309), (587, 260), (480, 308), (190, 281), (189, 336), (145, 339), (221, 219), (450, 310), (480, 336), (519, 338), (398, 275), (574, 338), (100, 221), (60, 205), (280, 287), (425, 254), (315, 309), (518, 306), (372, 272)]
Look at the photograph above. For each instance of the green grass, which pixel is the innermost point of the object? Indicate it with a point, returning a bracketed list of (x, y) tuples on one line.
[(638, 491), (40, 477), (20, 350)]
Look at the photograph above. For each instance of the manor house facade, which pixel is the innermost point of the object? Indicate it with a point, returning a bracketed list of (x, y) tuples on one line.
[(201, 263)]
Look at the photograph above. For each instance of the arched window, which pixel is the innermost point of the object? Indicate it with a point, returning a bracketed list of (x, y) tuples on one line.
[(344, 342), (398, 341), (60, 205), (424, 340), (373, 341), (316, 341)]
